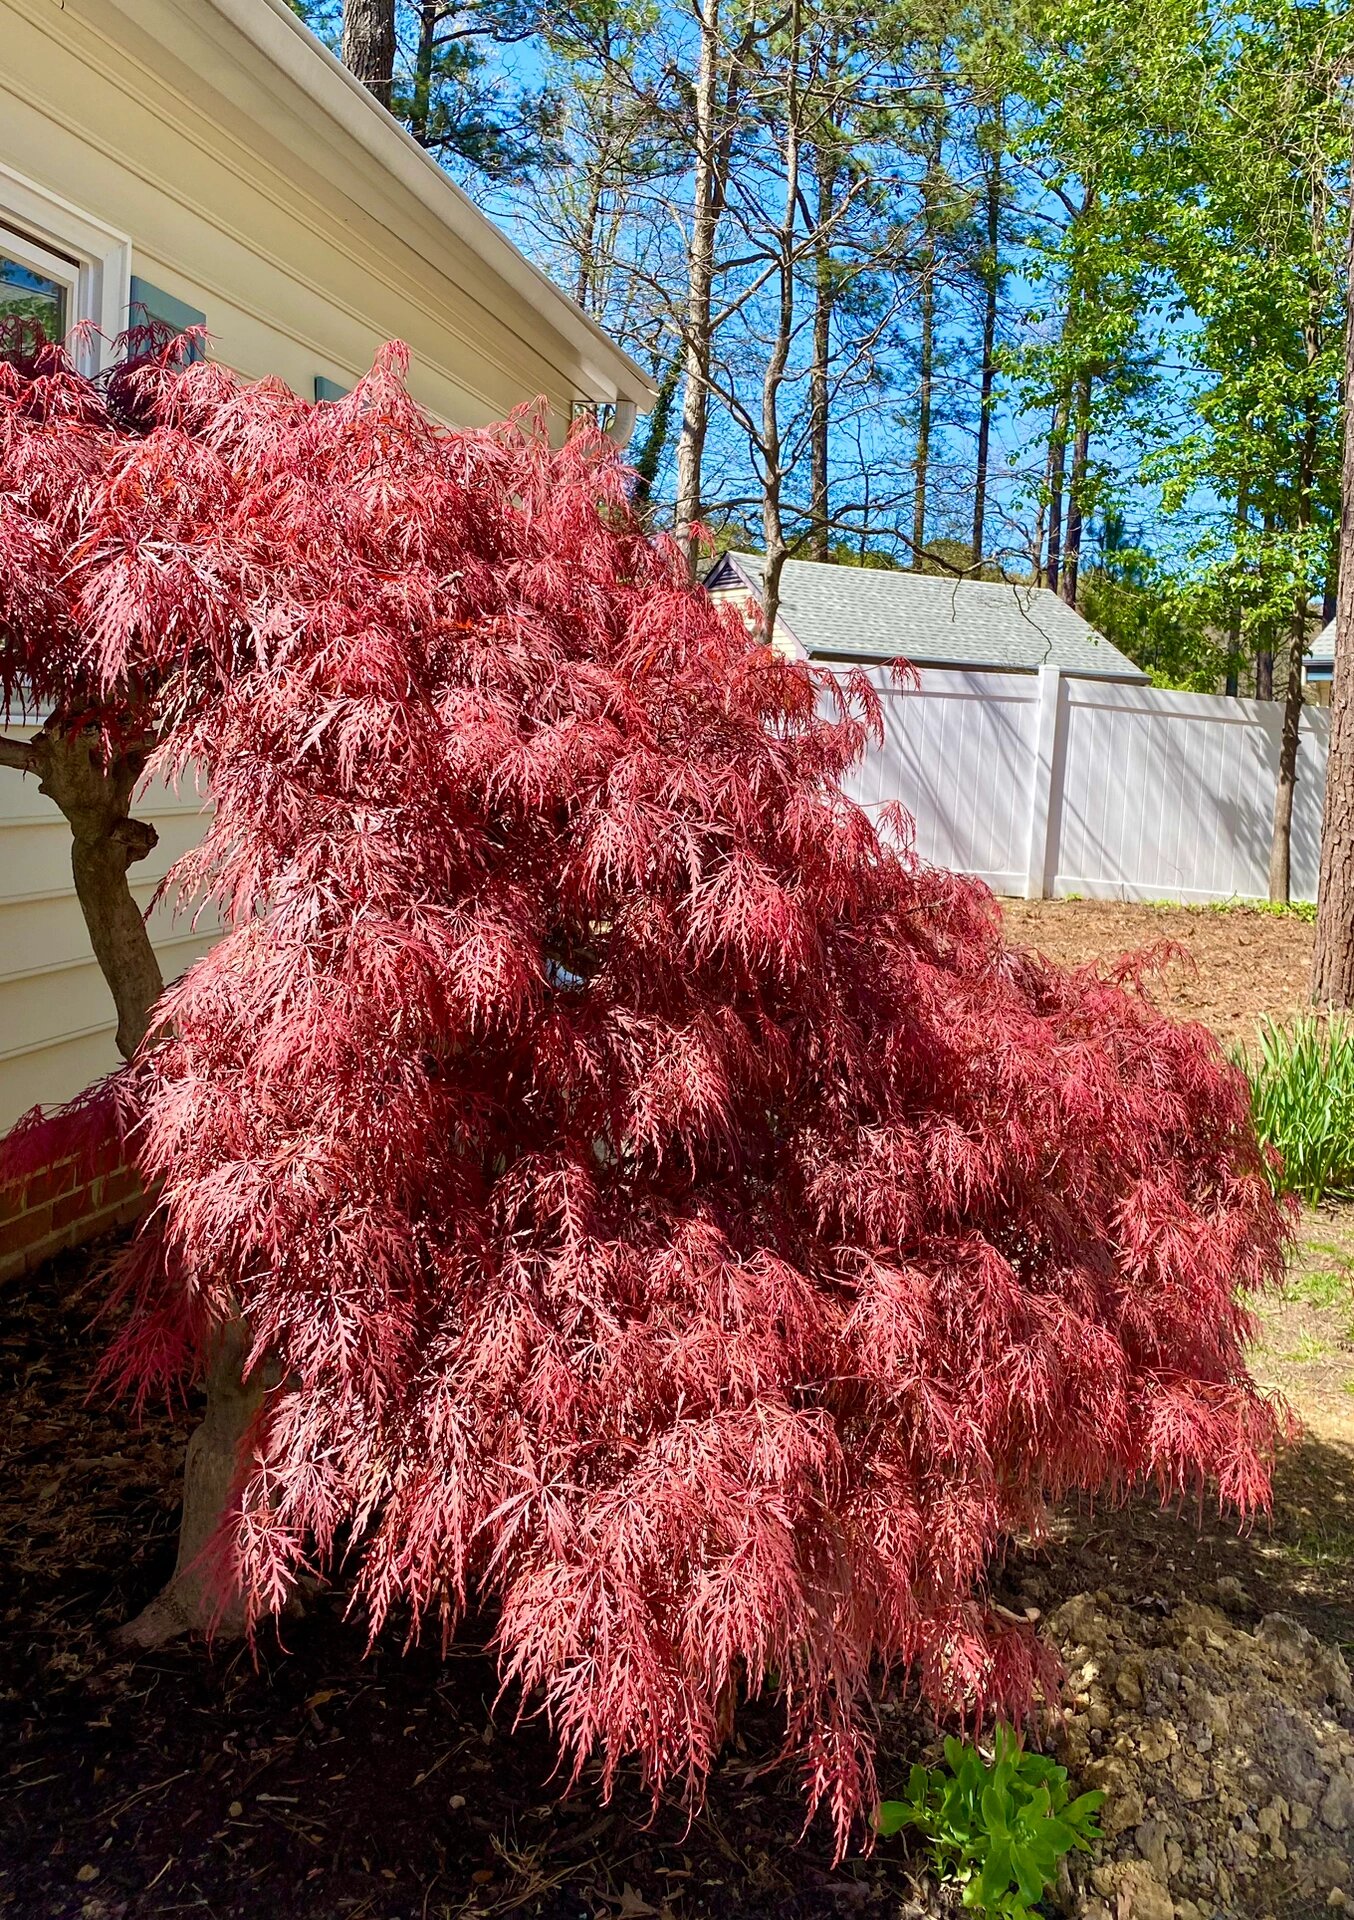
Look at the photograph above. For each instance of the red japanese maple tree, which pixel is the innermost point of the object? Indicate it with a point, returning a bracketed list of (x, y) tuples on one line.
[(649, 1200)]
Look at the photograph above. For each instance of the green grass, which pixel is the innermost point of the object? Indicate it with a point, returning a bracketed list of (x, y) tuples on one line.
[(1308, 1348), (1325, 1289), (1302, 1097)]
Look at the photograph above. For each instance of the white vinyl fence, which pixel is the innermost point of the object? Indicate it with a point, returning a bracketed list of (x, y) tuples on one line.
[(1045, 783)]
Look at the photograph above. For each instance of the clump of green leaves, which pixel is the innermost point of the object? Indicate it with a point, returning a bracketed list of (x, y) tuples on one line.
[(1302, 1097), (999, 1829)]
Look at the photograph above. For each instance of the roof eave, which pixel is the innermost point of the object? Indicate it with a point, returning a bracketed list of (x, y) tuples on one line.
[(270, 26)]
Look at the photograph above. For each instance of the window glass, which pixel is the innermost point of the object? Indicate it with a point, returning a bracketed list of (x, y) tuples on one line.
[(29, 295)]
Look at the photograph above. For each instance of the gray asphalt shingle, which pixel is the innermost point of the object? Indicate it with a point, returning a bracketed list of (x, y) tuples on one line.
[(866, 613)]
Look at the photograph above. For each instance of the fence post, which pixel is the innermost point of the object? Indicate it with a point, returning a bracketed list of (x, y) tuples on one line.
[(1044, 770)]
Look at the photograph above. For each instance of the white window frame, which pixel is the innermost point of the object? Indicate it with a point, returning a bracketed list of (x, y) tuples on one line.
[(92, 259)]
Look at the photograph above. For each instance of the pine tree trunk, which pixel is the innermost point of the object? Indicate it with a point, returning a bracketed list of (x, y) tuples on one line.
[(927, 374), (1076, 492), (778, 359), (819, 409), (1234, 612), (1282, 835), (991, 291), (1280, 850), (1057, 465), (369, 44), (700, 284), (429, 12), (1333, 956)]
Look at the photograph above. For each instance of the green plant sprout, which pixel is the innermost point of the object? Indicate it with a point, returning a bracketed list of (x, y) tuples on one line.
[(998, 1830), (1302, 1097)]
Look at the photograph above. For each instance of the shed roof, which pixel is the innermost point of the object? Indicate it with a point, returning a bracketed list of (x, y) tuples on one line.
[(867, 613)]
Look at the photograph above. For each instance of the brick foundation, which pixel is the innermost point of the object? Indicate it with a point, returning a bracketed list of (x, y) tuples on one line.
[(63, 1205)]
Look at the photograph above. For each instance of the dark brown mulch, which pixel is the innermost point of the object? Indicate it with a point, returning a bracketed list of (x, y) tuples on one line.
[(1243, 964), (319, 1783), (322, 1784)]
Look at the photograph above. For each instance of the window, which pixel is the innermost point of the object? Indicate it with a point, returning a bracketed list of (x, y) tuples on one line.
[(60, 266), (37, 284)]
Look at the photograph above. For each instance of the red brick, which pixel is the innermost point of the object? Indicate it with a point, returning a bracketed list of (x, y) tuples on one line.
[(122, 1185), (18, 1235), (49, 1183), (80, 1205)]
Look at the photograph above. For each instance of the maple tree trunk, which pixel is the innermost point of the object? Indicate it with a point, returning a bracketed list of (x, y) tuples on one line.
[(95, 798), (700, 282), (1333, 955), (188, 1603), (369, 44)]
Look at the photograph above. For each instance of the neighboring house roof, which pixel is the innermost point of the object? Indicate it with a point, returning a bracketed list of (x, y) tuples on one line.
[(1321, 654), (873, 613)]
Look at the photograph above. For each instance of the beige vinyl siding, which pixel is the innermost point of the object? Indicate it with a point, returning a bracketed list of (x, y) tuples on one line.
[(241, 199), (210, 148), (56, 1016)]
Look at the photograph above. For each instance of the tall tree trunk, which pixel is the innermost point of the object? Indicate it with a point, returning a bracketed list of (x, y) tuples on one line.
[(1076, 491), (773, 530), (927, 375), (700, 285), (1057, 465), (991, 292), (1234, 611), (823, 295), (429, 12), (369, 44), (654, 444), (1333, 955), (1281, 839)]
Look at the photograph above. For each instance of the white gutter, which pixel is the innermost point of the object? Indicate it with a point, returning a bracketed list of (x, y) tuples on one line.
[(277, 33)]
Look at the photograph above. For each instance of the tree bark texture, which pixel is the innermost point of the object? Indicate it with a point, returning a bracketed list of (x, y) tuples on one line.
[(1280, 849), (369, 45), (190, 1601), (700, 283), (773, 530), (926, 380), (1057, 467), (95, 796), (1076, 491), (1333, 956), (991, 293), (819, 410)]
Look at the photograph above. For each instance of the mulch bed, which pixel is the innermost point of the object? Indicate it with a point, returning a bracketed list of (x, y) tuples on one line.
[(316, 1780), (1239, 964)]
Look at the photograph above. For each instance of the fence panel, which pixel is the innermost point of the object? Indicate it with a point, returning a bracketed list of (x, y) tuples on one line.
[(1047, 783), (959, 755)]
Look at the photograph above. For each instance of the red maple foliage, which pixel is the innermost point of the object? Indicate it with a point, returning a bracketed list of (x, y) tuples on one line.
[(673, 1215)]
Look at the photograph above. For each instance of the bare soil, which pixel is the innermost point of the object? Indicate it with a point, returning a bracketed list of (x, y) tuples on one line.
[(323, 1781)]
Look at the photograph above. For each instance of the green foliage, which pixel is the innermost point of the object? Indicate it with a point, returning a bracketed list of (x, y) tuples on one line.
[(1000, 1830), (1302, 1097)]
